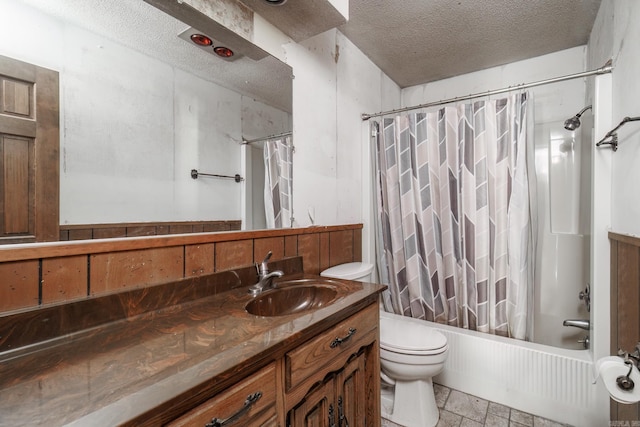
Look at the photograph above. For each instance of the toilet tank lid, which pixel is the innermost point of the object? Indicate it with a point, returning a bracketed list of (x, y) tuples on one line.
[(348, 271)]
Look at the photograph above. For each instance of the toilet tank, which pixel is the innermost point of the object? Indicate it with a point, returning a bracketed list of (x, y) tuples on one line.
[(359, 271)]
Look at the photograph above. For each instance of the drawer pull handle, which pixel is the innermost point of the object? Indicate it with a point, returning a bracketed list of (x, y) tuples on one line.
[(342, 419), (251, 399), (337, 341), (332, 417)]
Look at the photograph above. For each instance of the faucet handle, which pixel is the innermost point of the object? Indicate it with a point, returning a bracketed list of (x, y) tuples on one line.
[(263, 270)]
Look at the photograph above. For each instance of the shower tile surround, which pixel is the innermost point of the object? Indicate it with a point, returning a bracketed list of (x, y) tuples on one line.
[(458, 409)]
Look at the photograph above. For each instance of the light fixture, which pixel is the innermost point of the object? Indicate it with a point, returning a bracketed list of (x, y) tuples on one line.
[(276, 2), (222, 51), (201, 40), (209, 44)]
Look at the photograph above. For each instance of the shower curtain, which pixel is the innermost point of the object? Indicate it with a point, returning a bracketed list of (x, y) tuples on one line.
[(278, 182), (455, 237)]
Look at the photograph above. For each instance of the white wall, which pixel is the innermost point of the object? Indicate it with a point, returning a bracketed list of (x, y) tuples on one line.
[(132, 127), (615, 35), (626, 92), (334, 83)]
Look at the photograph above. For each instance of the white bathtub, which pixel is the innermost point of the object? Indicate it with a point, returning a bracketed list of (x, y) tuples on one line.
[(550, 382)]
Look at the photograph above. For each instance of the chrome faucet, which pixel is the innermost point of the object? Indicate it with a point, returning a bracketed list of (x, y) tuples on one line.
[(578, 323), (265, 278)]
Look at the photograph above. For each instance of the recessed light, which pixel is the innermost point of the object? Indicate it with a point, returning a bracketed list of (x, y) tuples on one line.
[(201, 40), (276, 2), (225, 52)]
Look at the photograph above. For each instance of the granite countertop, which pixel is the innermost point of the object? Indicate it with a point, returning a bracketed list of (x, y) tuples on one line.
[(132, 370)]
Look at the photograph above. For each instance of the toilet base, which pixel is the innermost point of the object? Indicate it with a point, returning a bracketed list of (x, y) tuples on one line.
[(411, 404)]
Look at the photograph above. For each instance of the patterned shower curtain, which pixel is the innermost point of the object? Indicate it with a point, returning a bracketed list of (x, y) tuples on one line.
[(455, 226), (278, 182)]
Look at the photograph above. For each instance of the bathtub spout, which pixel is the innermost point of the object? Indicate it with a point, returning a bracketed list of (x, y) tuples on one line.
[(578, 323)]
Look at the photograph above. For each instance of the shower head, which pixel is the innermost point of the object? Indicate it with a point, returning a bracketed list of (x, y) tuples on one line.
[(573, 123)]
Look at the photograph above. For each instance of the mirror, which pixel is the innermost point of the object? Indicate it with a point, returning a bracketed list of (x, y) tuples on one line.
[(140, 108)]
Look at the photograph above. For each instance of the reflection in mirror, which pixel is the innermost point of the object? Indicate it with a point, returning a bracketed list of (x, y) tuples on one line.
[(277, 151), (140, 108)]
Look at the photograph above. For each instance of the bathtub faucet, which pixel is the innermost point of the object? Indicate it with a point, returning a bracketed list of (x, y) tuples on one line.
[(578, 323)]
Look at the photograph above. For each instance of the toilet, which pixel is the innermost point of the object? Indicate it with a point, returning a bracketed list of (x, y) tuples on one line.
[(359, 271), (411, 354)]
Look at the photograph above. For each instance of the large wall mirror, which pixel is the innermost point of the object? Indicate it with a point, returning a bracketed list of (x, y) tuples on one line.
[(141, 107)]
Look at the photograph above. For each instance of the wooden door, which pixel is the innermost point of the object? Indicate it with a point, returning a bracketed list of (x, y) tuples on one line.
[(317, 409), (29, 153), (350, 393)]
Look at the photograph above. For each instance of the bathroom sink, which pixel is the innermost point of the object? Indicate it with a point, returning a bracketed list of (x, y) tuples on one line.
[(291, 297)]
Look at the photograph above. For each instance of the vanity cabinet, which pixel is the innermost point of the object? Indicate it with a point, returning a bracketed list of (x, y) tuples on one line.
[(332, 380), (338, 401), (251, 403)]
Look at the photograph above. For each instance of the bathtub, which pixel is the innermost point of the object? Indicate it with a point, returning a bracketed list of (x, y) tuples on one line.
[(550, 382)]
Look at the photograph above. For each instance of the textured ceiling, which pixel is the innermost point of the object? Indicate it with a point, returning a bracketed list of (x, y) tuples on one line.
[(412, 41), (419, 41)]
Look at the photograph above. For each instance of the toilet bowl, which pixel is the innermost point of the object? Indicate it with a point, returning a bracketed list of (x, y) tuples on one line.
[(411, 354)]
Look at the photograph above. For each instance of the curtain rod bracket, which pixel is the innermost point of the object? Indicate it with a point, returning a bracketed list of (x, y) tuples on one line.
[(195, 174)]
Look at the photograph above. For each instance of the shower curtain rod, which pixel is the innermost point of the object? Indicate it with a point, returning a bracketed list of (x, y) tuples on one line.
[(249, 141), (606, 68)]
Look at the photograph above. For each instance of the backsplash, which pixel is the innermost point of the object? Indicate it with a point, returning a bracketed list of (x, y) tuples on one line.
[(51, 273), (137, 229), (63, 321)]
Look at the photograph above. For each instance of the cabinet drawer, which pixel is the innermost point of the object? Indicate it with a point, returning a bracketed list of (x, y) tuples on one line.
[(231, 401), (344, 338)]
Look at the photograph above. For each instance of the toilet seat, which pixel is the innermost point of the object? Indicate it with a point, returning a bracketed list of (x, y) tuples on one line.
[(422, 352), (410, 336)]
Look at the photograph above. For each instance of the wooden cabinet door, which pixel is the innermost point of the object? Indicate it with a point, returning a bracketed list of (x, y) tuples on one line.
[(317, 409), (350, 393), (29, 153)]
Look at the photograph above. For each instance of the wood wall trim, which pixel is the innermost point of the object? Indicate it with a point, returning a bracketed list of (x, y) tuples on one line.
[(20, 252), (140, 224), (142, 229), (52, 273), (625, 308), (625, 238)]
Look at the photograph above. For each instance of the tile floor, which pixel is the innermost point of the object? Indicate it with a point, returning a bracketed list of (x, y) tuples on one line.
[(458, 409)]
